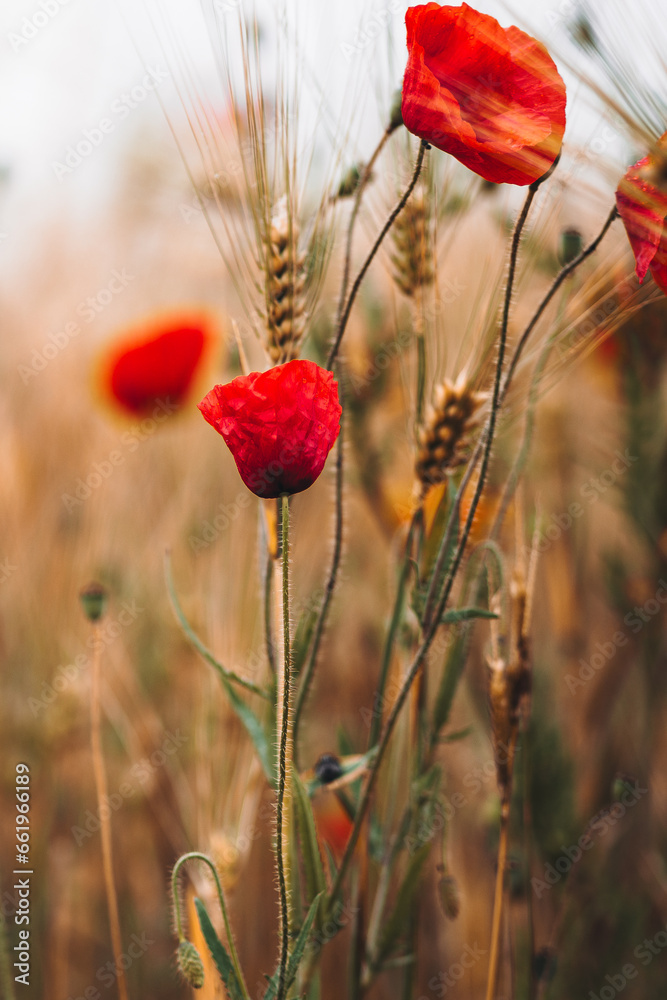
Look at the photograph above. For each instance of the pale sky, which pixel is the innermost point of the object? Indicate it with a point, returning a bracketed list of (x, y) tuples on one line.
[(69, 70)]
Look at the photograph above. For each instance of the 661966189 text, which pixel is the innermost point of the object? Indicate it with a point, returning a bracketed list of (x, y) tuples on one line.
[(21, 950)]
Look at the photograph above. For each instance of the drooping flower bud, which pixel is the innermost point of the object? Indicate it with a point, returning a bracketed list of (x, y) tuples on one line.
[(190, 964)]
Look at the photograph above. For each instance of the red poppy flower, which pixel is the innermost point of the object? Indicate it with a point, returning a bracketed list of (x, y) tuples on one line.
[(279, 425), (642, 206), (333, 824), (490, 96), (156, 363)]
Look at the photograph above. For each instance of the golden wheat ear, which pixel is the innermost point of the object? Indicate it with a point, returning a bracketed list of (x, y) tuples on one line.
[(444, 438), (285, 281)]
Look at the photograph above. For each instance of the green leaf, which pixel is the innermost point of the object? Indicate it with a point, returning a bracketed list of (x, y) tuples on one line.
[(458, 734), (431, 551), (302, 638), (451, 676), (433, 540), (254, 730), (245, 714), (466, 614), (203, 650), (401, 916), (223, 962), (294, 960), (310, 849)]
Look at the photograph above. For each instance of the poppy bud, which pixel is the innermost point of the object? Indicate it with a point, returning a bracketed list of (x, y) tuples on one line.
[(450, 898), (328, 768), (349, 181), (190, 964)]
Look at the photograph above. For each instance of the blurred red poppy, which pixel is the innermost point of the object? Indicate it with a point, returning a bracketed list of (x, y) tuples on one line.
[(333, 822), (641, 200), (490, 96), (157, 363), (279, 425)]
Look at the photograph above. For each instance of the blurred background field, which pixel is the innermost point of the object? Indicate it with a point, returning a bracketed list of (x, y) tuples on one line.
[(181, 773)]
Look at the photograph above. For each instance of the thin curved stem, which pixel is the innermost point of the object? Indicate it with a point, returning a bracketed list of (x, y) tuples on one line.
[(198, 856), (374, 249), (309, 669), (566, 272), (281, 847), (432, 627)]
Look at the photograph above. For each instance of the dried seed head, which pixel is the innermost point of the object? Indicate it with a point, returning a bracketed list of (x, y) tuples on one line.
[(285, 280), (445, 435), (509, 681), (413, 252), (518, 670), (503, 726), (190, 964)]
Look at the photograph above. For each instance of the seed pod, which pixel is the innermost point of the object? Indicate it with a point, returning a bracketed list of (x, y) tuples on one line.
[(570, 245), (93, 599), (350, 181), (328, 768), (449, 896)]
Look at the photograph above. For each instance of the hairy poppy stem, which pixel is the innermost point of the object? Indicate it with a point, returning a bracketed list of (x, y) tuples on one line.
[(198, 856), (281, 846), (104, 813), (432, 627), (374, 249), (309, 670), (565, 273)]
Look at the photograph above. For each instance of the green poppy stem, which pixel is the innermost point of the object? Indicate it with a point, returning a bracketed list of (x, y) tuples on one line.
[(283, 790)]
